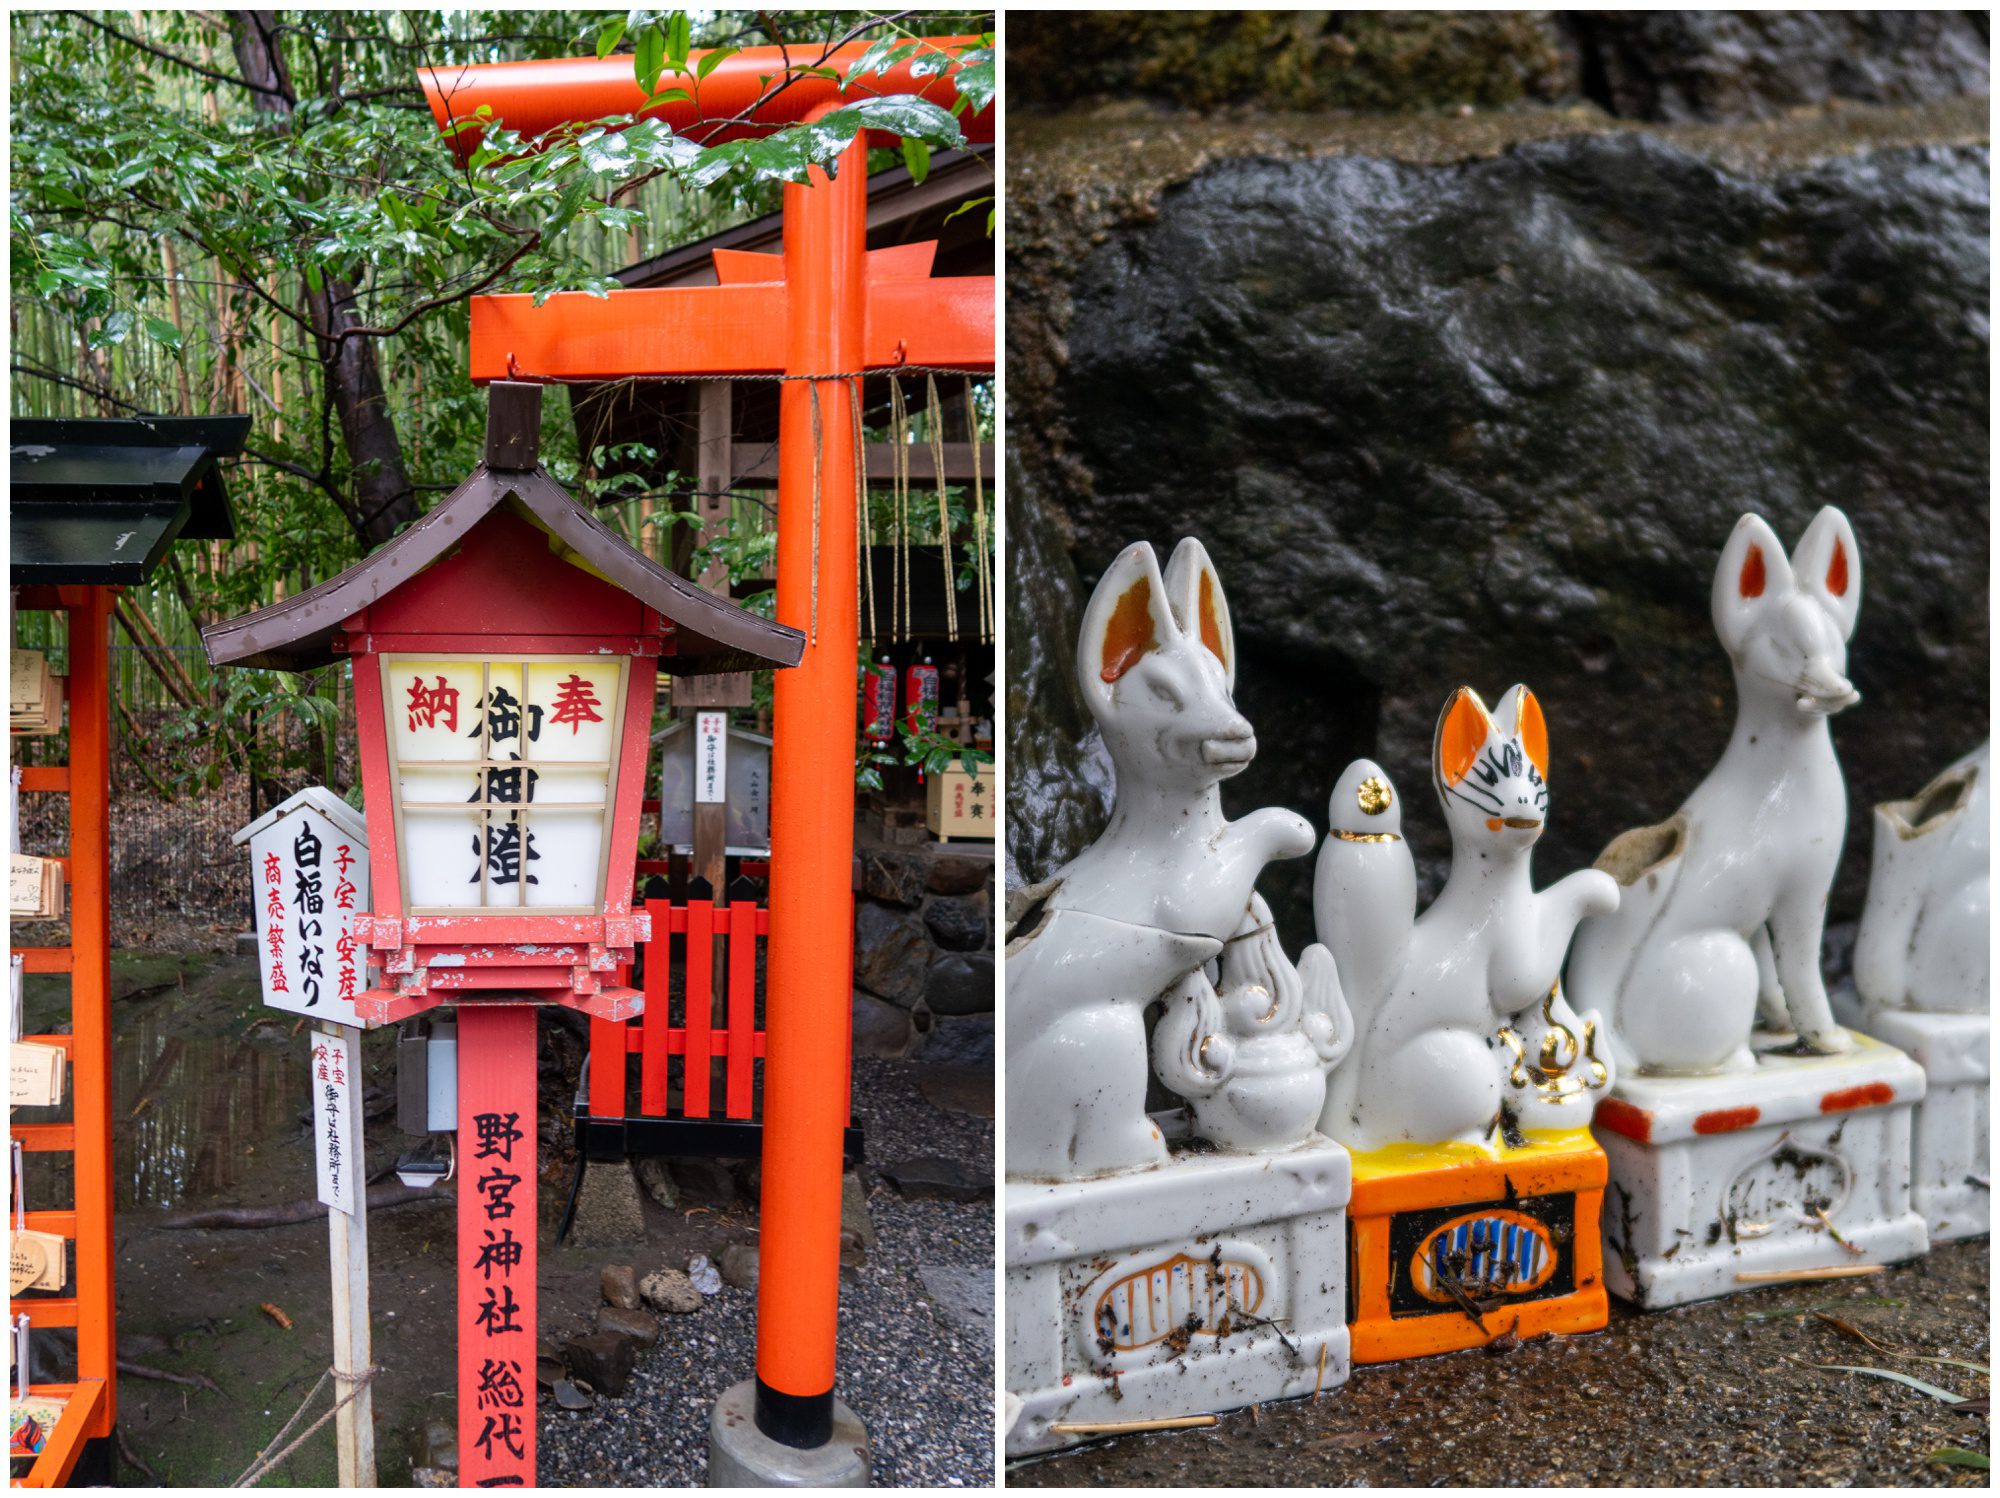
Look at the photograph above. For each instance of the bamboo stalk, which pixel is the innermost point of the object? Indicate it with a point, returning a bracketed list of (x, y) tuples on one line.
[(155, 653)]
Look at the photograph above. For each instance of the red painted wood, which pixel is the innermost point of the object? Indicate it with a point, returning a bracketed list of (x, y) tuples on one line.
[(443, 642), (607, 1067), (700, 999), (504, 581), (385, 877), (742, 1005), (496, 1245), (658, 1019), (715, 330), (637, 739)]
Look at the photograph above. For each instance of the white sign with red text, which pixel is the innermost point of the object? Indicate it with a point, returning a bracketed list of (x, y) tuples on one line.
[(336, 1138), (309, 879)]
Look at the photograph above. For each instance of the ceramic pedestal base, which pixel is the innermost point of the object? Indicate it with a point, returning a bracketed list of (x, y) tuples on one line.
[(1453, 1247), (1717, 1177), (1950, 1159), (1213, 1282)]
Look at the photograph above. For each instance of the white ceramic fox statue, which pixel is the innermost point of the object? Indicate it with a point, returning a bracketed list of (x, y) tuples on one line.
[(1430, 993), (1923, 942), (1725, 901), (1157, 895)]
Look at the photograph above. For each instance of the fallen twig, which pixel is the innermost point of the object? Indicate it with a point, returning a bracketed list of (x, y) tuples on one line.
[(1834, 1232), (1848, 1329), (125, 1450), (1130, 1427), (161, 1375), (1781, 1276), (386, 1194)]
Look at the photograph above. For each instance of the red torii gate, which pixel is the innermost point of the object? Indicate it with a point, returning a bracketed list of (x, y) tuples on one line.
[(818, 316)]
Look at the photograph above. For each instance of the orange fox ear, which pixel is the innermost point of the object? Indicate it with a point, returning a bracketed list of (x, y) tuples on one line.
[(1461, 735), (1750, 581), (1128, 633), (1533, 730)]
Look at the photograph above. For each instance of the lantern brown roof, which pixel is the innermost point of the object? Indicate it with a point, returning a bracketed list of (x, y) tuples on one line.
[(711, 634)]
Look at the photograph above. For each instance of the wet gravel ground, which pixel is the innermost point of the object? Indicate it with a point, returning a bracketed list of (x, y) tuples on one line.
[(922, 1384), (1718, 1394)]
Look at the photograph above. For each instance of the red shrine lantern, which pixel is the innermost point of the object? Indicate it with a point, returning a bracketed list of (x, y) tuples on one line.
[(920, 693), (878, 702), (505, 652)]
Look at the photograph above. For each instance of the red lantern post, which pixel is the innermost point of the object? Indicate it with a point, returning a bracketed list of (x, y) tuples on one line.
[(504, 651)]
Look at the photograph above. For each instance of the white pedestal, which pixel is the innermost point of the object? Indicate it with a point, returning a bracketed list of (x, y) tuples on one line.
[(1950, 1153), (1213, 1282), (1712, 1177)]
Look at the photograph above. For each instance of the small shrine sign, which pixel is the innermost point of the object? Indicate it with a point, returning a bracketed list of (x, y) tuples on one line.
[(336, 1134), (309, 867)]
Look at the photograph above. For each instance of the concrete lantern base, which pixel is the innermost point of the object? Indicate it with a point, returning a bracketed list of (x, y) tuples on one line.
[(742, 1456)]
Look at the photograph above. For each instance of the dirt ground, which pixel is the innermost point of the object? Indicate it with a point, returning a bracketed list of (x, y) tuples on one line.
[(1720, 1394)]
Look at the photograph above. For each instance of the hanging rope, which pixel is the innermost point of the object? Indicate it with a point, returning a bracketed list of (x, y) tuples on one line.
[(979, 552), (865, 553), (899, 437), (934, 427)]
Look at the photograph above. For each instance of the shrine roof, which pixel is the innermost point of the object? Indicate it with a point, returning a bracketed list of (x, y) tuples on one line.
[(711, 634), (100, 501)]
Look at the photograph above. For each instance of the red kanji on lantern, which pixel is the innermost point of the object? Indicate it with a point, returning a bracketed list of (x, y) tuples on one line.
[(432, 703), (576, 704)]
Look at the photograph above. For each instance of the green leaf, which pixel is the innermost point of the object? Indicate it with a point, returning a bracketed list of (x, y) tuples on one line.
[(713, 59), (917, 157), (1902, 1378), (608, 37), (967, 206), (880, 57), (566, 207), (680, 36), (1958, 1456), (906, 114), (164, 332), (648, 56)]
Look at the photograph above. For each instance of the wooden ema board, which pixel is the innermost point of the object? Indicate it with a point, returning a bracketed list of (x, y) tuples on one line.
[(1526, 1223), (496, 1245), (698, 1040)]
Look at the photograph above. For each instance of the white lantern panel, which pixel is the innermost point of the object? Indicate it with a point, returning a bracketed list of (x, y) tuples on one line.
[(575, 703), (453, 787), (433, 708), (570, 787), (571, 846), (441, 859)]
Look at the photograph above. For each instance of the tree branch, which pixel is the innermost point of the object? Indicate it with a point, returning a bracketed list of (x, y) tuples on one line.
[(165, 56)]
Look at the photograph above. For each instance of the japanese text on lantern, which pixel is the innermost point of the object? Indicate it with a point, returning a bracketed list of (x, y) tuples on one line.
[(500, 1394), (503, 771)]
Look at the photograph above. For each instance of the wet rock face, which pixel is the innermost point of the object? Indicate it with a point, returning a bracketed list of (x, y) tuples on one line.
[(1492, 422), (1755, 64)]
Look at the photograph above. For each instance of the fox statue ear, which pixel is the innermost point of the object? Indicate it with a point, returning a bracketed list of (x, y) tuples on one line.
[(1461, 734), (1127, 616), (1519, 716), (1194, 592), (1827, 565), (1753, 569)]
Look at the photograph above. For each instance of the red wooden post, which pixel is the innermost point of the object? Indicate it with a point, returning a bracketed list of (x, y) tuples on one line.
[(699, 988), (807, 1003), (658, 1018), (496, 1245)]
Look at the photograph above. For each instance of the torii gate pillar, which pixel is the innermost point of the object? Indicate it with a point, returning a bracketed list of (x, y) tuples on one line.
[(784, 1427)]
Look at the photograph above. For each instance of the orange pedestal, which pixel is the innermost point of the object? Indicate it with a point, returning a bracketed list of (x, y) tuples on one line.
[(1450, 1246)]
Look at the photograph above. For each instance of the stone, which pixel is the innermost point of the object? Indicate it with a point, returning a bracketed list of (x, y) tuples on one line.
[(854, 1219), (958, 1089), (568, 1396), (739, 1266), (958, 874), (432, 1477), (881, 1029), (960, 983), (892, 876), (891, 952), (603, 1360), (438, 1446), (608, 1211), (934, 1178), (957, 922), (619, 1285), (706, 1181), (1508, 488), (1756, 64), (637, 1326), (704, 1276), (658, 1183), (670, 1290), (959, 1041), (960, 1294)]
